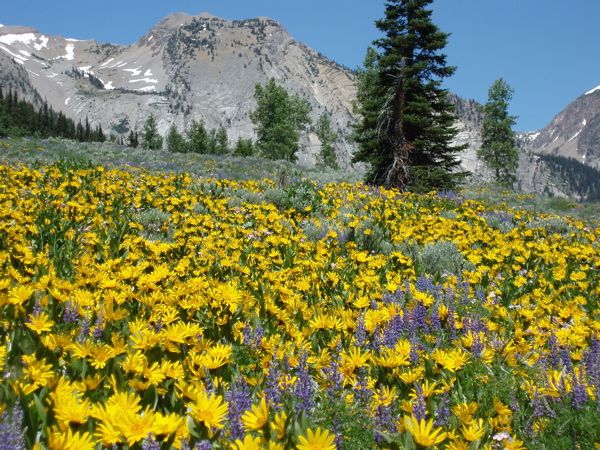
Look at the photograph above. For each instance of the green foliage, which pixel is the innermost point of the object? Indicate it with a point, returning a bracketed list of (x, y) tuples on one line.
[(243, 147), (175, 141), (207, 142), (20, 118), (498, 149), (151, 140), (583, 180), (441, 257), (406, 119), (133, 140), (327, 137), (156, 224), (279, 118)]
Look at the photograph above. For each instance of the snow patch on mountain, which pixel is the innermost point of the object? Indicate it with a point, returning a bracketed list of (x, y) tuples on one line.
[(597, 88), (147, 80), (134, 72), (148, 73), (24, 38), (109, 86), (147, 89), (18, 58), (575, 135), (43, 43), (70, 55), (107, 62)]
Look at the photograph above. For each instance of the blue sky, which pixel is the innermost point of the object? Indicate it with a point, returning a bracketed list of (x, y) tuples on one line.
[(547, 50)]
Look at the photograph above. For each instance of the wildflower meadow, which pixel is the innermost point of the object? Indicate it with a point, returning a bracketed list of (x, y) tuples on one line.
[(144, 310)]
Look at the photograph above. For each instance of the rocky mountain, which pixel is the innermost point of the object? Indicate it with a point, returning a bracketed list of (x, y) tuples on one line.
[(185, 68), (574, 132), (205, 68)]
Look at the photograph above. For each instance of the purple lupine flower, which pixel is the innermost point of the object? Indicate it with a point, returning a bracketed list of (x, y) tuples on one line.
[(565, 356), (203, 445), (425, 284), (98, 330), (37, 308), (339, 436), (12, 434), (392, 332), (247, 334), (442, 413), (273, 391), (553, 352), (259, 334), (418, 318), (360, 332), (419, 407), (579, 395), (150, 443), (477, 346), (384, 421), (362, 392), (185, 445), (70, 314), (434, 319), (304, 390), (334, 379), (84, 329), (377, 341), (240, 400), (541, 408)]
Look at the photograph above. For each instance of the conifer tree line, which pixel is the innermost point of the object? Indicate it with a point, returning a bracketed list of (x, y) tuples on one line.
[(19, 117), (583, 179), (279, 119)]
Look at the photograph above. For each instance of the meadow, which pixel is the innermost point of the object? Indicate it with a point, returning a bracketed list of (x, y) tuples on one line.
[(200, 305)]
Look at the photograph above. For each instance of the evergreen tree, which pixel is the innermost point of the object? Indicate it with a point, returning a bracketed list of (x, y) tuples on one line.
[(175, 141), (151, 140), (279, 118), (498, 149), (221, 144), (198, 138), (327, 137), (87, 137), (407, 120), (133, 140), (243, 147)]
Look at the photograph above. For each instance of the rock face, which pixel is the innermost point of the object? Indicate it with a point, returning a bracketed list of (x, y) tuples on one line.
[(574, 132), (185, 68)]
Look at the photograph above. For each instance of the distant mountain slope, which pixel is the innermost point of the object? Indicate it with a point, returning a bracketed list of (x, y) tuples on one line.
[(574, 132), (185, 68)]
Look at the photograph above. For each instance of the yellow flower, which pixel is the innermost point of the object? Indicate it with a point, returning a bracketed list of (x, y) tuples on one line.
[(465, 411), (319, 440), (71, 441), (209, 409), (278, 424), (39, 323), (423, 432), (473, 431), (249, 443), (257, 417)]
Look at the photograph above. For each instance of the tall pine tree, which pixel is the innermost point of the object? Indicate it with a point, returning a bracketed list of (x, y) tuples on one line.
[(406, 125), (498, 149)]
